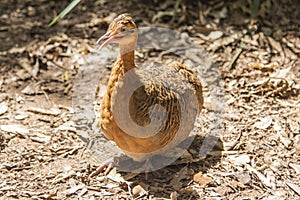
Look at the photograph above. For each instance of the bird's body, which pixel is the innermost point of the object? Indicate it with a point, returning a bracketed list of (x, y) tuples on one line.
[(147, 110)]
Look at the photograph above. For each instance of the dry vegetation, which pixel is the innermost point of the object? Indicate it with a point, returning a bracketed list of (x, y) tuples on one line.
[(258, 155)]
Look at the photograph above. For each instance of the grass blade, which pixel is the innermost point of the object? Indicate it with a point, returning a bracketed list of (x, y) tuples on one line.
[(64, 12)]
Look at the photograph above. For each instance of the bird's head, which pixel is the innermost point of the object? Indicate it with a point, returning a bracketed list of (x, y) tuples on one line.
[(122, 31)]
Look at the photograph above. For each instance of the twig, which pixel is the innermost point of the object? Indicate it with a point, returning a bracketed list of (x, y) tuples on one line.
[(235, 57)]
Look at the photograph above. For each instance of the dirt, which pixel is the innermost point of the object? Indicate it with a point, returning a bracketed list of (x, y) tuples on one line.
[(255, 53)]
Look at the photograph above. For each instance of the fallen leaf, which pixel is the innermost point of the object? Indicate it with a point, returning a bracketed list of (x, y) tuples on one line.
[(74, 189), (285, 141), (51, 111), (202, 179), (3, 107), (114, 176), (260, 176), (295, 167), (215, 35), (297, 143), (33, 88), (68, 126), (110, 185), (263, 123), (294, 187), (240, 159), (41, 138), (21, 116), (275, 45), (17, 50), (15, 128), (282, 73), (138, 191), (174, 195), (243, 178)]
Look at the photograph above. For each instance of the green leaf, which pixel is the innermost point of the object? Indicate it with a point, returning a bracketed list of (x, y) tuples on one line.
[(64, 12)]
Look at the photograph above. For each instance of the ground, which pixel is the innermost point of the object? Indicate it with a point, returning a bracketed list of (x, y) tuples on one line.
[(255, 48)]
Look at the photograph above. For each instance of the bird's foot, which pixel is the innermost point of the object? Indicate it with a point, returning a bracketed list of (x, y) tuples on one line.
[(108, 165)]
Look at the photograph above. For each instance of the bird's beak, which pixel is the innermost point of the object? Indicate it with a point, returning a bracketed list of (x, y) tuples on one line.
[(107, 38), (111, 36)]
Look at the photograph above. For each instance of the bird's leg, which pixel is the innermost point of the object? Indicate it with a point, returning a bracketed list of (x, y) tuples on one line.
[(147, 166), (108, 165)]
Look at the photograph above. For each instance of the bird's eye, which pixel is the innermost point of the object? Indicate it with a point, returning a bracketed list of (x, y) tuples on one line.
[(123, 29)]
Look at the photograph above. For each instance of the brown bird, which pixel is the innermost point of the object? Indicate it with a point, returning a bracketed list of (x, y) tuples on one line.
[(147, 110)]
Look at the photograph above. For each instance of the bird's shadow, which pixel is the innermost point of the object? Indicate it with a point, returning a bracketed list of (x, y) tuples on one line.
[(175, 177)]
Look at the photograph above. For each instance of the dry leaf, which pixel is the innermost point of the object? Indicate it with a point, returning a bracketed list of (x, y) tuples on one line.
[(114, 176), (33, 88), (275, 45), (202, 179), (173, 195), (260, 176), (74, 189), (297, 143), (110, 185), (51, 111), (263, 123), (215, 35), (68, 126), (21, 116), (285, 141), (138, 191), (294, 187), (239, 160), (15, 128), (243, 178), (295, 167), (282, 73), (3, 107), (41, 138)]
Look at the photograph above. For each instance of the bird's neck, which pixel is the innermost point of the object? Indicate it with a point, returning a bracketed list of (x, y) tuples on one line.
[(127, 57)]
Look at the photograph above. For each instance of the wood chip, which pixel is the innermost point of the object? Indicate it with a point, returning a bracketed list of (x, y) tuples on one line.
[(282, 73), (3, 108), (114, 176), (202, 179), (265, 181), (21, 116), (110, 185), (240, 159), (263, 123), (41, 138), (215, 35), (68, 126), (173, 195), (295, 167), (15, 128), (51, 111), (33, 88), (275, 45), (138, 191), (294, 187), (235, 58), (243, 178), (74, 189)]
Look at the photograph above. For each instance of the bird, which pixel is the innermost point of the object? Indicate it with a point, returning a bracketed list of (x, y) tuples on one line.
[(147, 110)]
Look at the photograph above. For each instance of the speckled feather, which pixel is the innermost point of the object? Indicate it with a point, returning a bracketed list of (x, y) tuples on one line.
[(156, 90)]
